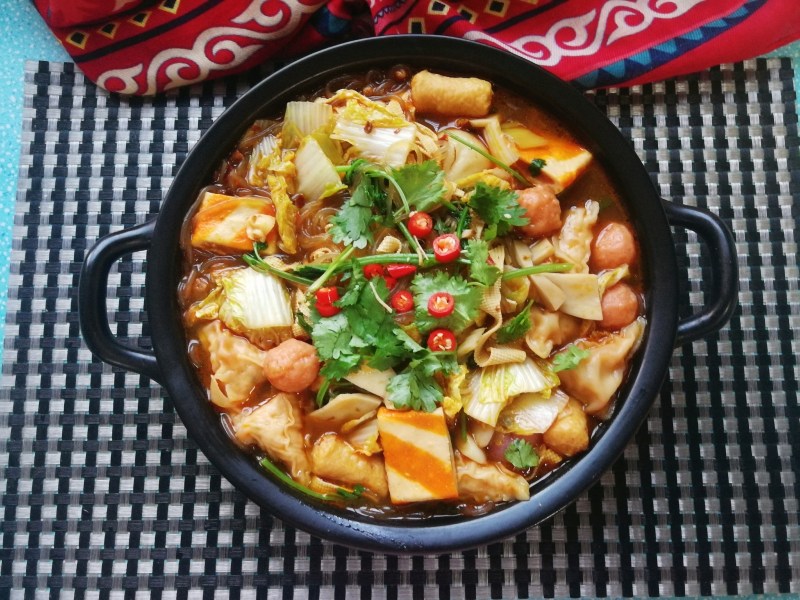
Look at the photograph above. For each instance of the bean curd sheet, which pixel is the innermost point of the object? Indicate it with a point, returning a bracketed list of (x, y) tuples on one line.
[(411, 294)]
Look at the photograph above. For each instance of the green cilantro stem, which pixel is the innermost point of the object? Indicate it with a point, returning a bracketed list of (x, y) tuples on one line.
[(267, 464), (323, 391), (463, 425), (412, 241), (331, 270), (373, 172), (462, 221), (536, 269), (510, 170), (259, 264), (380, 259), (341, 495)]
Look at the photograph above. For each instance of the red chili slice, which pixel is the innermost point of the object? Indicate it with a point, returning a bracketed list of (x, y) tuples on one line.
[(446, 248), (390, 282), (371, 271), (402, 301), (327, 310), (442, 340), (327, 295), (441, 304), (400, 270), (420, 223)]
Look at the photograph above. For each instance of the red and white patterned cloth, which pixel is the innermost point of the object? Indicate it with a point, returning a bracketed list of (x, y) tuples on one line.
[(146, 46)]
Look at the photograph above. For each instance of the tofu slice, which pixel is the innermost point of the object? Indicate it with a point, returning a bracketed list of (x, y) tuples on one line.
[(564, 171), (564, 161), (418, 455)]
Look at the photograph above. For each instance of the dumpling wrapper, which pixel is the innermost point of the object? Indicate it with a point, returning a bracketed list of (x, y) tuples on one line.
[(598, 377), (237, 366), (277, 428)]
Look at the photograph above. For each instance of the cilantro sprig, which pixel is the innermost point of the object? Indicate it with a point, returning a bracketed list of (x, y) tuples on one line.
[(416, 186), (480, 270), (569, 358), (467, 300), (521, 454), (351, 224), (416, 386), (498, 208), (516, 327)]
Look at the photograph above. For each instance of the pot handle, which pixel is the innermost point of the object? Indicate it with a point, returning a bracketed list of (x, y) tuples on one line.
[(725, 288), (92, 292)]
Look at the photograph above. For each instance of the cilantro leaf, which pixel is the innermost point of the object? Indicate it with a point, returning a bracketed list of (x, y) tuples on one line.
[(336, 346), (521, 454), (517, 327), (354, 289), (309, 271), (414, 389), (351, 225), (535, 168), (407, 341), (341, 367), (467, 300), (355, 168), (569, 358), (358, 491), (498, 208), (477, 252), (422, 184)]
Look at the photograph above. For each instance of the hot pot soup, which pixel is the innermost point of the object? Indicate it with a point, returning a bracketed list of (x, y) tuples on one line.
[(411, 294)]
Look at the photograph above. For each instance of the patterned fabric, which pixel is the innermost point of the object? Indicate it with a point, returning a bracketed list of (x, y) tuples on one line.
[(146, 46), (102, 494)]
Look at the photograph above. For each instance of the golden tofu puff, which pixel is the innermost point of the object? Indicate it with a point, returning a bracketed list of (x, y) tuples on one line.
[(451, 96), (334, 459), (418, 455), (570, 432), (490, 482)]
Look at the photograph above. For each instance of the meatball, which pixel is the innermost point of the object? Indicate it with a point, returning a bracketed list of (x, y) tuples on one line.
[(612, 247), (542, 209), (620, 306), (570, 433), (292, 366)]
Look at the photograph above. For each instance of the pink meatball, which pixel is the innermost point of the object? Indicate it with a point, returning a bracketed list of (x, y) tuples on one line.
[(620, 306), (292, 366), (612, 247), (542, 209)]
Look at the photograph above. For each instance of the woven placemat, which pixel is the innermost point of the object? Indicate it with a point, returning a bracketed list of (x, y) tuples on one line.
[(102, 494)]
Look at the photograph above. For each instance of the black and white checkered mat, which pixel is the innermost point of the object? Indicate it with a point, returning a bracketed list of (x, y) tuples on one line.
[(102, 493)]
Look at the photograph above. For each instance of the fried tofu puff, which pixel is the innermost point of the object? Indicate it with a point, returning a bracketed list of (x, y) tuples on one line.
[(451, 96)]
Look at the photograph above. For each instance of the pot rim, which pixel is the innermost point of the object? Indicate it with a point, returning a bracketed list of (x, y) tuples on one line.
[(548, 495)]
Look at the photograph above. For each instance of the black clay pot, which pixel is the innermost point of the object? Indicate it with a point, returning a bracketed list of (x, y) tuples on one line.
[(651, 216)]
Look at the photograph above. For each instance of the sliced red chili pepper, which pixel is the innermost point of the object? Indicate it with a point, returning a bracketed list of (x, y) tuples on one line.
[(446, 248), (442, 340), (373, 270), (441, 304), (402, 301), (390, 282), (327, 310), (420, 223), (400, 270), (327, 295)]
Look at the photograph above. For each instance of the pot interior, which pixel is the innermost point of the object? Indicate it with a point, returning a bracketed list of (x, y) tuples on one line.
[(548, 494)]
